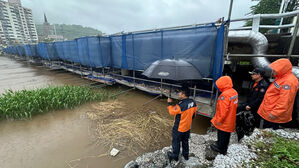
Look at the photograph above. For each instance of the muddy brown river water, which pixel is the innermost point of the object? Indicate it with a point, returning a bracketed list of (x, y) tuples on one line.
[(64, 138)]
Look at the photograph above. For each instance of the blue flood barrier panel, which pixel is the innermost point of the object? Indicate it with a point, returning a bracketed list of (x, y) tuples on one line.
[(42, 50), (94, 52), (74, 51), (51, 52), (105, 48), (21, 50), (66, 51), (201, 46), (195, 45), (218, 59), (59, 49), (116, 51), (27, 50), (83, 51), (144, 49), (33, 50)]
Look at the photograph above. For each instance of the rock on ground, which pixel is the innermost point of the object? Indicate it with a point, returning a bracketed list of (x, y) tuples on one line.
[(238, 154)]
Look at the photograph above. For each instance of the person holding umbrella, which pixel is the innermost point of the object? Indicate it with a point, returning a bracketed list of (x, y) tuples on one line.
[(183, 113), (225, 117)]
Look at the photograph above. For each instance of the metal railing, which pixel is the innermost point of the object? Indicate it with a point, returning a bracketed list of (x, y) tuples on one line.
[(256, 26)]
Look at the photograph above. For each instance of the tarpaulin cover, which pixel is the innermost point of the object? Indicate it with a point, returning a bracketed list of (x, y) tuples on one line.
[(67, 51), (33, 50), (42, 50), (51, 51), (59, 49), (200, 46), (21, 50), (105, 49), (94, 52), (116, 51), (83, 51), (195, 45), (47, 51), (74, 56), (70, 51), (27, 50)]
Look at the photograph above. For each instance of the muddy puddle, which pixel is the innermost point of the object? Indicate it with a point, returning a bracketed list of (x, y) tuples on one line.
[(82, 137)]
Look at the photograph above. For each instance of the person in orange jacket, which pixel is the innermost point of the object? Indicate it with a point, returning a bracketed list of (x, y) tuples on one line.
[(225, 117), (183, 113), (278, 102)]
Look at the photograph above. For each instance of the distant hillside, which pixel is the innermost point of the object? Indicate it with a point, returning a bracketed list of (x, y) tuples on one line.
[(69, 31)]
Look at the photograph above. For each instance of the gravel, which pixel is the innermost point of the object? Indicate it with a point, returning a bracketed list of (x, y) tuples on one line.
[(238, 154)]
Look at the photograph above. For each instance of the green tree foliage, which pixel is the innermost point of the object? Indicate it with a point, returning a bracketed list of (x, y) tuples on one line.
[(271, 6), (69, 31)]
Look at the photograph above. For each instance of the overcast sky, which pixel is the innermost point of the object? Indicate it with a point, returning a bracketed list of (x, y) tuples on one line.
[(111, 16)]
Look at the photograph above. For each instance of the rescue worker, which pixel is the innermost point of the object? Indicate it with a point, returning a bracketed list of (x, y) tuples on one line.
[(183, 113), (277, 105), (256, 95), (225, 117)]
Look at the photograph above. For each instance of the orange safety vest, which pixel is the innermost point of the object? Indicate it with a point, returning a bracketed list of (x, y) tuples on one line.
[(227, 103), (183, 113), (280, 96)]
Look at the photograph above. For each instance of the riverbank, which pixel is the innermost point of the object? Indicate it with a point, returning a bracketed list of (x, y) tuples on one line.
[(250, 152)]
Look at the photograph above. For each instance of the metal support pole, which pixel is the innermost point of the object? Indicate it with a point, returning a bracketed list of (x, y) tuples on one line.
[(81, 71), (227, 28), (103, 73), (294, 37), (161, 86), (256, 23), (211, 98), (194, 92), (215, 103), (134, 79), (225, 46)]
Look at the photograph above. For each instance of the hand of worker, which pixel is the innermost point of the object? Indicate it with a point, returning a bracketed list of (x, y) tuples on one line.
[(271, 117), (169, 100), (248, 108)]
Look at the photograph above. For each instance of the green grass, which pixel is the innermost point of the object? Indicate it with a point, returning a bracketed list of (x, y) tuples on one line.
[(26, 103), (282, 153)]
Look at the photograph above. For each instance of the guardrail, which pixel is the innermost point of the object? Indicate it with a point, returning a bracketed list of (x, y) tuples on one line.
[(256, 26)]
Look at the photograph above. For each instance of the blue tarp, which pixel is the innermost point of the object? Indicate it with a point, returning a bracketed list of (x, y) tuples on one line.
[(105, 49), (94, 52), (195, 45), (33, 50), (74, 51), (21, 50), (27, 50), (116, 51), (83, 51), (67, 51), (41, 50), (201, 46), (47, 51), (59, 49), (52, 52)]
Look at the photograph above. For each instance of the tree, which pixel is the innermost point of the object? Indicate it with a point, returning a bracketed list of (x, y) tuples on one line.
[(271, 6)]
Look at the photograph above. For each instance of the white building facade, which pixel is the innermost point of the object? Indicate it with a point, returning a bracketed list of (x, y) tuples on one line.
[(16, 24)]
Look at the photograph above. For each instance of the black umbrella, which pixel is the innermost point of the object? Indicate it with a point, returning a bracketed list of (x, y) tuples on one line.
[(173, 70)]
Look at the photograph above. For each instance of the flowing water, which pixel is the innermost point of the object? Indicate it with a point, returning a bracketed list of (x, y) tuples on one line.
[(65, 138)]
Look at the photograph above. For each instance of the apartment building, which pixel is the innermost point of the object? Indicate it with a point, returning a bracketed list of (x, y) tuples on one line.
[(16, 24)]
